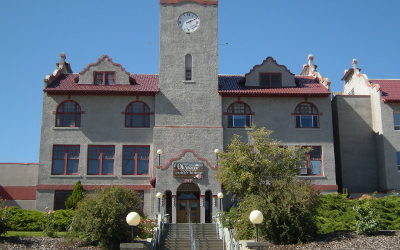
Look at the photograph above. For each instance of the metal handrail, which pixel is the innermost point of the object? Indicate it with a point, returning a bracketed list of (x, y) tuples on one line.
[(157, 234), (192, 240)]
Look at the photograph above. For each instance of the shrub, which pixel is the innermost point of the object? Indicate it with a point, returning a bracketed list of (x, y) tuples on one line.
[(78, 193), (25, 220), (335, 213), (366, 219), (62, 219), (145, 228), (49, 226), (101, 217), (388, 212)]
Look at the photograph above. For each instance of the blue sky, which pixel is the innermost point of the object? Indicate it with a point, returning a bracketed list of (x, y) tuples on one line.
[(33, 33)]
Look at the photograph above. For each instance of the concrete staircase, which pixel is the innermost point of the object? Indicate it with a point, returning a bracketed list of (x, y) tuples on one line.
[(177, 237)]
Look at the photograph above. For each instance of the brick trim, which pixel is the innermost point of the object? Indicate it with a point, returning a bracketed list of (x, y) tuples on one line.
[(204, 2), (18, 192), (326, 187), (91, 187)]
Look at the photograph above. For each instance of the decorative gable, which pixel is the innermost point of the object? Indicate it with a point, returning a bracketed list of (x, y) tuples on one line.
[(104, 72), (270, 74)]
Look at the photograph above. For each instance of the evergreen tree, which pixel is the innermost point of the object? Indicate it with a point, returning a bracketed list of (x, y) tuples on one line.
[(78, 193)]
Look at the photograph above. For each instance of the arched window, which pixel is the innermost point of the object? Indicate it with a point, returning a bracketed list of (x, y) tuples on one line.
[(239, 115), (188, 67), (307, 115), (137, 115), (68, 114)]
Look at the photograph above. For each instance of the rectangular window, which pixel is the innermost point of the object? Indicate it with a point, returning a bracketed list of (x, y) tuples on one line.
[(65, 160), (396, 119), (239, 121), (100, 160), (307, 121), (271, 80), (398, 161), (104, 78), (313, 164), (135, 160)]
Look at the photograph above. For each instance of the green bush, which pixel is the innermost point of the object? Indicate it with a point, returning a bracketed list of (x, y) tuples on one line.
[(366, 218), (335, 213), (33, 220), (145, 228), (101, 217), (25, 220), (78, 193), (288, 210), (387, 210)]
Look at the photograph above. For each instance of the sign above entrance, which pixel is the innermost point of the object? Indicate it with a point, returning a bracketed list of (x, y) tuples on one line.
[(188, 169)]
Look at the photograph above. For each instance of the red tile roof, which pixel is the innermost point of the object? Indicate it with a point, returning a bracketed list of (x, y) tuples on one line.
[(67, 84), (307, 86), (145, 84), (390, 89), (205, 2)]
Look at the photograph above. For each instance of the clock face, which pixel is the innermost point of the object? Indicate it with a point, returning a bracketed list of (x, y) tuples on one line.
[(188, 22)]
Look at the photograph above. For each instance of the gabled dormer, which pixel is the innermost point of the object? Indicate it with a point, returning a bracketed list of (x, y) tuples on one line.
[(104, 72), (270, 74)]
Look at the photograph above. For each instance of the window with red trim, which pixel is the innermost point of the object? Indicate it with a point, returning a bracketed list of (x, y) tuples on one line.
[(137, 115), (313, 162), (104, 78), (239, 115), (135, 160), (68, 114), (271, 79), (100, 160), (307, 115), (65, 159)]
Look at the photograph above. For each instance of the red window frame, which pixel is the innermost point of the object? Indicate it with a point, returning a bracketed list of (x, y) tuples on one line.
[(100, 158), (245, 111), (299, 113), (135, 158), (61, 114), (103, 77), (66, 158), (130, 115), (266, 79), (309, 158)]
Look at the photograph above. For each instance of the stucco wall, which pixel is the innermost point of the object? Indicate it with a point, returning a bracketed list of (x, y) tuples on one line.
[(276, 114), (356, 139), (101, 124), (18, 183), (121, 77), (269, 65)]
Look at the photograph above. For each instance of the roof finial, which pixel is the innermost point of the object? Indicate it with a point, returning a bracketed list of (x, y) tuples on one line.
[(354, 63), (62, 59), (310, 58)]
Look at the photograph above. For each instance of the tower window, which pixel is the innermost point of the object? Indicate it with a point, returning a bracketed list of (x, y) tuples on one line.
[(188, 67)]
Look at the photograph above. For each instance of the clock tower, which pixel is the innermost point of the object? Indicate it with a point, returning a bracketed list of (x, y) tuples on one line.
[(188, 116)]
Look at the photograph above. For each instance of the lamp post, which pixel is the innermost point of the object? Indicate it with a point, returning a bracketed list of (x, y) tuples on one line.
[(256, 217), (220, 197), (133, 219), (159, 196), (159, 152), (216, 152)]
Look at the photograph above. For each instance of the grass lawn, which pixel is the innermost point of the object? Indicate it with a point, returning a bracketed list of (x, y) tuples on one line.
[(31, 234)]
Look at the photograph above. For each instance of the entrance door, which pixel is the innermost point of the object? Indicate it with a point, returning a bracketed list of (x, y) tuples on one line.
[(188, 208), (188, 203)]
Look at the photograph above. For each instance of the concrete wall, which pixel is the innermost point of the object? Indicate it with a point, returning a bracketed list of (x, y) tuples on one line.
[(276, 114), (356, 147), (18, 183)]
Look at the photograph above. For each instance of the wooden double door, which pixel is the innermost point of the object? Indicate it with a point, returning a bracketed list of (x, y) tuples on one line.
[(188, 207)]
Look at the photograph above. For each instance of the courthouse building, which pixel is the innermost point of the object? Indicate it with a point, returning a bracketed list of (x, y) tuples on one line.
[(159, 133)]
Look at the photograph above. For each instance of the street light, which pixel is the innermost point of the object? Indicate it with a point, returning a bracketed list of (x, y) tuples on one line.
[(159, 152), (220, 197), (256, 217), (216, 152), (133, 219), (159, 196)]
